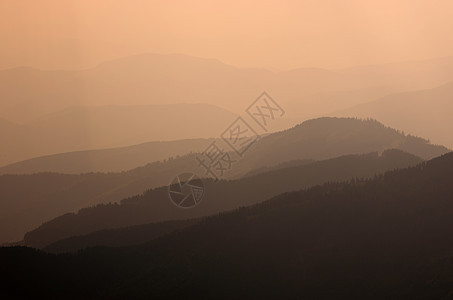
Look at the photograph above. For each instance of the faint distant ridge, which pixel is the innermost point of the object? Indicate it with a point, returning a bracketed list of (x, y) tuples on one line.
[(312, 139), (156, 78), (318, 123), (425, 112), (80, 128), (373, 124), (152, 79), (106, 160)]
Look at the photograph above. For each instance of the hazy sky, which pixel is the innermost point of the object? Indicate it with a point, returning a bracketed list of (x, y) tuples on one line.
[(276, 34)]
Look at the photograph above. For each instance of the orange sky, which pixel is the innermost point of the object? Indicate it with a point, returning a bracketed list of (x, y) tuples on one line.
[(274, 34)]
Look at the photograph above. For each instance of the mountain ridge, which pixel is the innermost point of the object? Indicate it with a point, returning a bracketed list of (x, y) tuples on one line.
[(154, 205), (386, 237), (421, 112), (56, 195), (92, 127)]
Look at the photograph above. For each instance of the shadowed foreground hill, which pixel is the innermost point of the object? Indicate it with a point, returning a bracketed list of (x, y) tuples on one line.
[(385, 238), (119, 237), (154, 205)]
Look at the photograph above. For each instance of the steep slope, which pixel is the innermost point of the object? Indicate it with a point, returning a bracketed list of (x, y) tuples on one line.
[(154, 205), (386, 238), (425, 113)]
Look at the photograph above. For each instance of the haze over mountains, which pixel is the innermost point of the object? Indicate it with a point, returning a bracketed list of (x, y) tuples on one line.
[(200, 149), (107, 160), (94, 127), (50, 112), (146, 79), (314, 139), (423, 112)]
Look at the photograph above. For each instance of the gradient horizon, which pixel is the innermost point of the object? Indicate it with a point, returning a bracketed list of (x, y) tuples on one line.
[(278, 35)]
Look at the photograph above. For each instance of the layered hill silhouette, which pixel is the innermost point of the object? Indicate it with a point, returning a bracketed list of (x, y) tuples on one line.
[(288, 177), (155, 205), (29, 200), (387, 237), (96, 127), (27, 204), (423, 112), (305, 146), (325, 138)]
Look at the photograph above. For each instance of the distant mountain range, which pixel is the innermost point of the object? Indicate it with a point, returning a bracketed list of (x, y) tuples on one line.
[(107, 160), (88, 127), (425, 113), (325, 138), (311, 140), (49, 114), (384, 238), (146, 79), (29, 200)]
